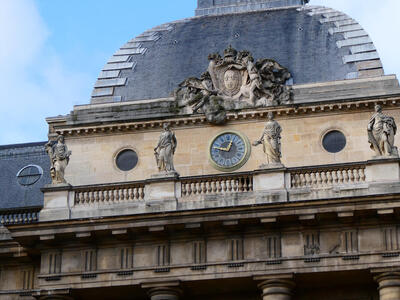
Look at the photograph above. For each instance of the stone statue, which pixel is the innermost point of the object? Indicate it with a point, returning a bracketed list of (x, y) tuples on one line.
[(271, 140), (59, 159), (234, 82), (165, 150), (381, 132)]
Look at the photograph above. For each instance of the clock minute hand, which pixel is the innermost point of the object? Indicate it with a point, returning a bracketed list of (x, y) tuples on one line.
[(229, 146)]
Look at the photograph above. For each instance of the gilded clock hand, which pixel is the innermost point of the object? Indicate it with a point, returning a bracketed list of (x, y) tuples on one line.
[(229, 146), (218, 148)]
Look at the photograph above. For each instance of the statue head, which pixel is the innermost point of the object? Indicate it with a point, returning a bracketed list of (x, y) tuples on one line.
[(60, 139), (378, 108), (270, 116), (214, 56), (166, 126)]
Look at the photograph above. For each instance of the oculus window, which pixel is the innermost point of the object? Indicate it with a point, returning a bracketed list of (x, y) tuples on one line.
[(334, 141), (29, 175), (126, 160)]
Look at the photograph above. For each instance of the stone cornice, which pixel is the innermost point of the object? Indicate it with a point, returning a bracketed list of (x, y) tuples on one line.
[(60, 126)]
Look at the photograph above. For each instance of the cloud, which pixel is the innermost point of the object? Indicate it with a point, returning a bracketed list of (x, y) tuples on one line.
[(34, 82), (380, 19)]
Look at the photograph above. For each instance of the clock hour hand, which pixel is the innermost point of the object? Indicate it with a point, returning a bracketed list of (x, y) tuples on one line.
[(222, 149)]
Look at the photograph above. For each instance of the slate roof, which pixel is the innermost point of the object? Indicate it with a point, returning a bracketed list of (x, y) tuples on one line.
[(12, 159), (315, 43)]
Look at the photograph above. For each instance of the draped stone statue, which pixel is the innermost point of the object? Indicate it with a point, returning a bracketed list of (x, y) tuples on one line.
[(165, 150), (59, 159), (381, 132), (271, 140)]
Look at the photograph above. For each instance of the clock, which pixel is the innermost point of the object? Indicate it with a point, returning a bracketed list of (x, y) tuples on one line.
[(229, 151)]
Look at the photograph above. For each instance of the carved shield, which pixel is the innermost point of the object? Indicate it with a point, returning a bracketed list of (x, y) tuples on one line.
[(232, 81)]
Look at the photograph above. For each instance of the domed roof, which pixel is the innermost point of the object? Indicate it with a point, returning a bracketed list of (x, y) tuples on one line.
[(315, 43)]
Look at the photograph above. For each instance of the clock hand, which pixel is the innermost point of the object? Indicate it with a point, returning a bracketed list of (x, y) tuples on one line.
[(218, 148), (230, 146)]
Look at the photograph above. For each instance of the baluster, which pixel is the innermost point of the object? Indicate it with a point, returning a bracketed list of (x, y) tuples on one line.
[(101, 196), (223, 186), (116, 195), (213, 187), (96, 197), (297, 180), (250, 187), (107, 196), (142, 192), (229, 185), (204, 187), (362, 174), (232, 184), (339, 176), (240, 187), (183, 187), (77, 198), (329, 179), (292, 180), (345, 176), (356, 175), (302, 180), (324, 178), (189, 189), (245, 184), (92, 196), (308, 179), (122, 194), (350, 175), (319, 179), (198, 187), (209, 187), (313, 179), (193, 188), (135, 193), (235, 185), (219, 186), (334, 177)]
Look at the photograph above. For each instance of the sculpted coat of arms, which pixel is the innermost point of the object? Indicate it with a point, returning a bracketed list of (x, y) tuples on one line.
[(234, 82)]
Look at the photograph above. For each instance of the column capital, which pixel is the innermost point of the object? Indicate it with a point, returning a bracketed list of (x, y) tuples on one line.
[(278, 286), (165, 293), (389, 285)]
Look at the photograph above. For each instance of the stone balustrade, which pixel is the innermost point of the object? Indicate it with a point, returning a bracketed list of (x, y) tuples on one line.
[(110, 194), (19, 217), (173, 193), (217, 185), (325, 177)]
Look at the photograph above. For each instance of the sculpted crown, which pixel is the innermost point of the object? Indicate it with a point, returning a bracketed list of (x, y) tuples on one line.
[(230, 52)]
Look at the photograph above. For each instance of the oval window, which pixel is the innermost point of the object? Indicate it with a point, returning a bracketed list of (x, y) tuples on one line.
[(334, 141), (126, 160), (29, 175)]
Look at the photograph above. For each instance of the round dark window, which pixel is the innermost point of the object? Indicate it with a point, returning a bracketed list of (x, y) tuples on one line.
[(334, 141), (126, 160), (29, 175)]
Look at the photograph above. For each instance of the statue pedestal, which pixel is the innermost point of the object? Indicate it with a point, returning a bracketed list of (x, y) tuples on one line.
[(163, 189), (56, 205), (269, 177), (383, 169)]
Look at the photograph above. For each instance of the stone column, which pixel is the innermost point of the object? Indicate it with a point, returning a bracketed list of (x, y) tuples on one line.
[(164, 293), (277, 289), (389, 285)]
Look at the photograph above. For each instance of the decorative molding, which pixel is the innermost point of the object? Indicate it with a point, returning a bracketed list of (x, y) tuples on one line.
[(200, 119)]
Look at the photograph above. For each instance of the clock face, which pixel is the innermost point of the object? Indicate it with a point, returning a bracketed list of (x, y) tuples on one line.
[(229, 151)]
